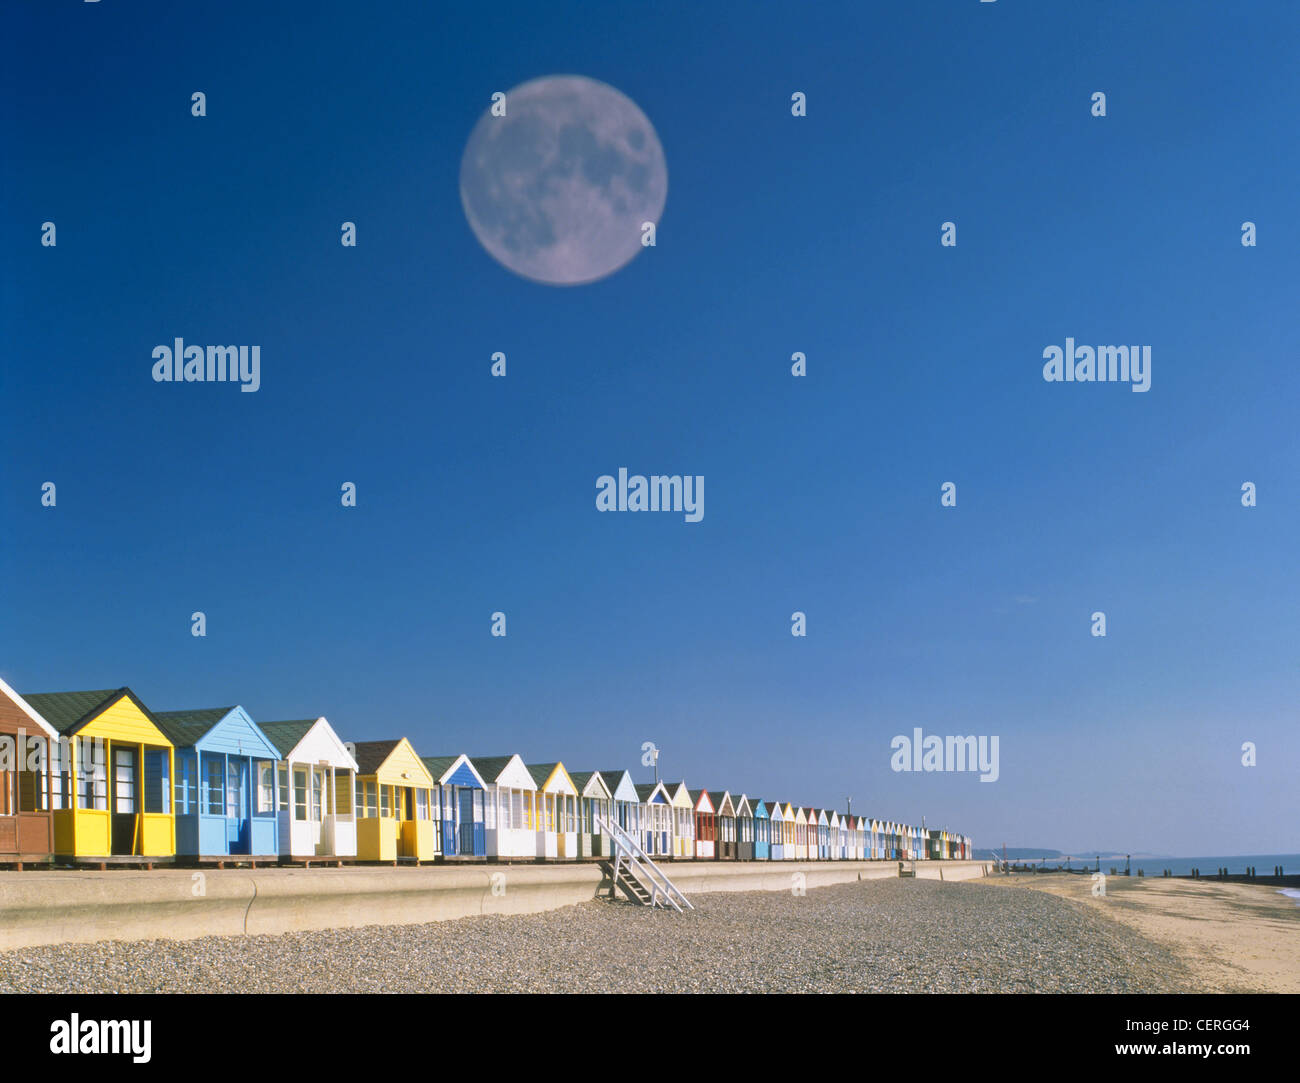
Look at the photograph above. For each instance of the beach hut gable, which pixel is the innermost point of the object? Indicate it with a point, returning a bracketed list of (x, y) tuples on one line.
[(392, 763), (454, 771), (44, 728), (552, 778), (620, 782), (508, 771), (226, 730), (116, 714), (309, 741)]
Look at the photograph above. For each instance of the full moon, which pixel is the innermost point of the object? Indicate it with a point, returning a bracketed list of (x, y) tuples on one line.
[(557, 190)]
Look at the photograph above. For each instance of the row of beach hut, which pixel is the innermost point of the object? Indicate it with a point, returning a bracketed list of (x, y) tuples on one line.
[(94, 776)]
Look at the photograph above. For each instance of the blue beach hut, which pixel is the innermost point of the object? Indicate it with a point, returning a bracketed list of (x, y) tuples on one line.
[(226, 784), (762, 830), (460, 803), (657, 824)]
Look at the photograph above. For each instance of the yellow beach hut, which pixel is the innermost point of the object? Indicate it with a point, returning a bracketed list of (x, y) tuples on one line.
[(683, 805), (557, 811), (112, 774), (395, 810)]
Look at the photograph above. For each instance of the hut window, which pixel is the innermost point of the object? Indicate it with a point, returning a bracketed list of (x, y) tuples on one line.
[(213, 781), (31, 790), (124, 780), (92, 776), (372, 799), (317, 805), (517, 809), (421, 804), (182, 778), (157, 781), (233, 796), (283, 771), (385, 801), (265, 786), (300, 793)]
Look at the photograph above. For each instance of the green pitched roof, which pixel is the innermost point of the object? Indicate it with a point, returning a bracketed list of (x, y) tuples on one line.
[(186, 728), (490, 767), (66, 711), (645, 789), (286, 735), (580, 779), (370, 755), (541, 771), (438, 765)]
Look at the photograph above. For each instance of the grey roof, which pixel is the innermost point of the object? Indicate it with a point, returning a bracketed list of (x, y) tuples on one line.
[(541, 771), (186, 728), (370, 755), (490, 767), (65, 711), (286, 735), (438, 765), (716, 796)]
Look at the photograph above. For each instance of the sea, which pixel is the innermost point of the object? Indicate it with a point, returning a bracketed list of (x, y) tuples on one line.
[(1182, 866)]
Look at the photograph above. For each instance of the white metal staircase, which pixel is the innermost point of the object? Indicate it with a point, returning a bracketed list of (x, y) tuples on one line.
[(640, 877)]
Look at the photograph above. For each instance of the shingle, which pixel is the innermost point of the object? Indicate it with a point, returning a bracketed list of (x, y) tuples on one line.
[(490, 767), (541, 772), (438, 765), (370, 755), (187, 728), (65, 710), (287, 735)]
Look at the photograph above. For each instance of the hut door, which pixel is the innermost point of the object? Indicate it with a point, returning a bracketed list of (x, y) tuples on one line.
[(124, 791), (465, 821), (237, 802)]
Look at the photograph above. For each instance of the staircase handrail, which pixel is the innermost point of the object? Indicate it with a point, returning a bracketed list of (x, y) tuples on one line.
[(638, 859)]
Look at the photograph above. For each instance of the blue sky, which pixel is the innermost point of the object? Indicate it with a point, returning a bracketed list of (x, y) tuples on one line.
[(818, 234)]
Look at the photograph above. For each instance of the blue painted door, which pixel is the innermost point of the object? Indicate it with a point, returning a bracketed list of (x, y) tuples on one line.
[(465, 820)]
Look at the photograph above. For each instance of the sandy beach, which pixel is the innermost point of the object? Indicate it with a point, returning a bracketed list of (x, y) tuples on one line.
[(1231, 937)]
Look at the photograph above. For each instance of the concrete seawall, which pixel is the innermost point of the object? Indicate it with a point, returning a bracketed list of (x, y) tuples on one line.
[(180, 904)]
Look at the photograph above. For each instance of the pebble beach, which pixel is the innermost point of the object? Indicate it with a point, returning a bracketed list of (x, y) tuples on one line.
[(914, 936)]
